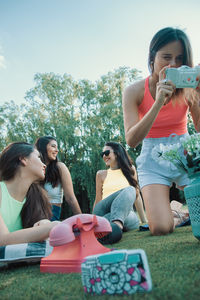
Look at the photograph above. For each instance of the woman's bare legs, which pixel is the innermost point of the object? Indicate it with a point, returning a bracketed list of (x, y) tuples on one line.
[(158, 210)]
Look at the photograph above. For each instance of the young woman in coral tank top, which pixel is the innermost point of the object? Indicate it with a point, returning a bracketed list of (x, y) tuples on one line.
[(156, 112)]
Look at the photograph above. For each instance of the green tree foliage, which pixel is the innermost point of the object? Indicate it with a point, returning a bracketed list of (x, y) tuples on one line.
[(82, 115)]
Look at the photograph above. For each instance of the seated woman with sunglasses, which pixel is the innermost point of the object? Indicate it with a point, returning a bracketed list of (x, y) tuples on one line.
[(117, 191)]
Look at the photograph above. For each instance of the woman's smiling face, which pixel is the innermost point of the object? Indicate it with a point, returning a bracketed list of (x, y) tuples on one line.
[(52, 150), (110, 159)]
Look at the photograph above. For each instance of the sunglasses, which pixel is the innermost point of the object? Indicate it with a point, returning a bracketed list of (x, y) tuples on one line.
[(106, 153)]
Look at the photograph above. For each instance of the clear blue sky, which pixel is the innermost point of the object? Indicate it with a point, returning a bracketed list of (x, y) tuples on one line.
[(83, 38)]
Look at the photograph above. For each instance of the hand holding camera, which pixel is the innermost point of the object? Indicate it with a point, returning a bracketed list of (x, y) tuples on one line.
[(184, 77)]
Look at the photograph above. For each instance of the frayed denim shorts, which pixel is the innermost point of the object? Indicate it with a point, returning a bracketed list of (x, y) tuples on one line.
[(151, 171)]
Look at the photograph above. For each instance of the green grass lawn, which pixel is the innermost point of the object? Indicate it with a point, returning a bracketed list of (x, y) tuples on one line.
[(174, 262)]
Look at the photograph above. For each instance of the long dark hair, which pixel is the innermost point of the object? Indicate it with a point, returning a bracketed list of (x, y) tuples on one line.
[(124, 162), (166, 36), (52, 171), (37, 206)]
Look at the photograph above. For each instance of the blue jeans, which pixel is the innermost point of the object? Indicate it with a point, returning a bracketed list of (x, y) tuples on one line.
[(56, 212), (119, 206)]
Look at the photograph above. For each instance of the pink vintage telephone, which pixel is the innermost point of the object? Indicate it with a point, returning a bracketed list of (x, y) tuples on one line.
[(74, 239)]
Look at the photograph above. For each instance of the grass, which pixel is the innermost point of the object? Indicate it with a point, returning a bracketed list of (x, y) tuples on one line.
[(174, 262)]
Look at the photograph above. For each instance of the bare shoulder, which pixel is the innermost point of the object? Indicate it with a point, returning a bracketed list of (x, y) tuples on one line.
[(101, 175), (135, 172), (62, 168), (134, 92), (61, 165), (65, 176), (134, 168)]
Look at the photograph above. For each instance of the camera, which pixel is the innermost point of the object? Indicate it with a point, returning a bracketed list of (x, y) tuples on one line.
[(117, 272), (183, 77)]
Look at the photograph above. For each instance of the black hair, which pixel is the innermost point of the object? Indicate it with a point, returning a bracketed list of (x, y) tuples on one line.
[(52, 171), (166, 36), (37, 206), (124, 162)]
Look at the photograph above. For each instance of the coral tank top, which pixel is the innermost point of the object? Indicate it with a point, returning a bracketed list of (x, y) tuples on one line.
[(172, 117)]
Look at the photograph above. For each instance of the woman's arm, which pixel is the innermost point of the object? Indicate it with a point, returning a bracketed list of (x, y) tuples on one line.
[(28, 235), (41, 222), (67, 186), (138, 201), (194, 105), (100, 177)]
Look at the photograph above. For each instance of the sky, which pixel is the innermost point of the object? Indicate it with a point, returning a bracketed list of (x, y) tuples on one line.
[(83, 38)]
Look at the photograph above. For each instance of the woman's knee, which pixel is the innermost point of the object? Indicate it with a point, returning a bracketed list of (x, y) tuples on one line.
[(161, 229), (98, 210), (130, 192)]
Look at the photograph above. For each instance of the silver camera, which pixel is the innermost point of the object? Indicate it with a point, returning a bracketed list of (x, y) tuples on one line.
[(183, 77)]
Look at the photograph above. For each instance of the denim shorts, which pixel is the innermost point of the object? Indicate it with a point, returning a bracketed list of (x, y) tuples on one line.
[(152, 172)]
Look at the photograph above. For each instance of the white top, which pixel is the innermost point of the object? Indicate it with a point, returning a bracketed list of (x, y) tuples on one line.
[(55, 194)]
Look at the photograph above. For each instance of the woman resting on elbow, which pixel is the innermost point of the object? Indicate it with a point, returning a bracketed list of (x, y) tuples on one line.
[(117, 191), (57, 177), (23, 203)]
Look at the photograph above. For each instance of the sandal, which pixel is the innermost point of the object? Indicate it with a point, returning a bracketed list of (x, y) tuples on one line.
[(181, 218)]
